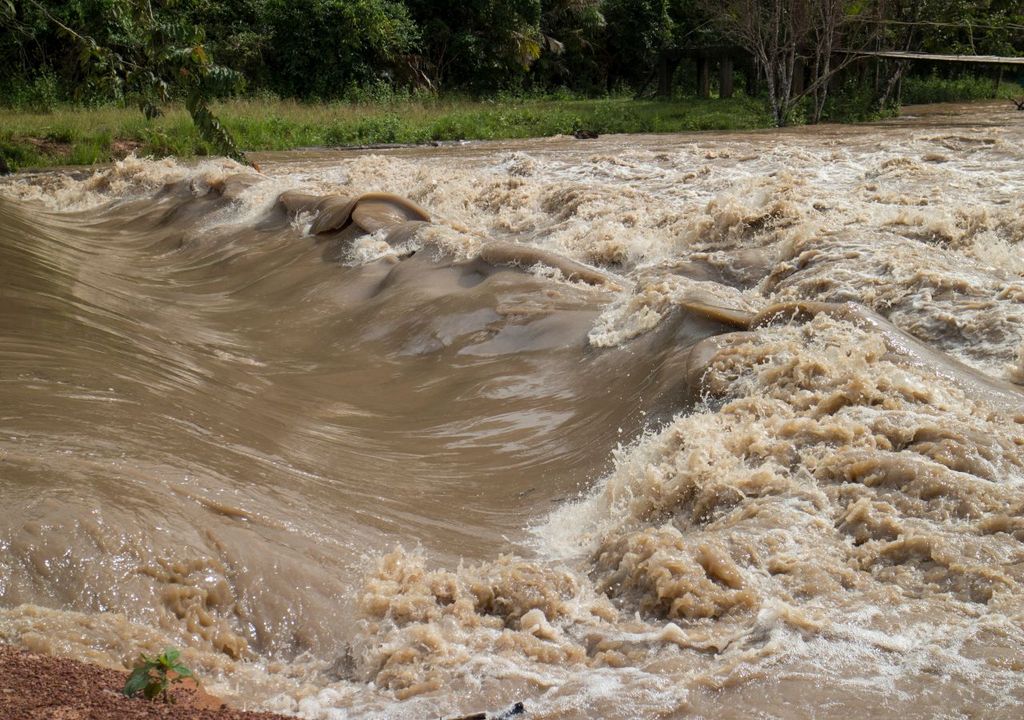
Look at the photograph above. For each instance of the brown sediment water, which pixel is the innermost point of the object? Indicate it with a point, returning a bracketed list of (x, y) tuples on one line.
[(724, 425)]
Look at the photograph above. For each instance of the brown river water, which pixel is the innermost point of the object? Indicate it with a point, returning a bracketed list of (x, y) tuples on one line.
[(711, 425)]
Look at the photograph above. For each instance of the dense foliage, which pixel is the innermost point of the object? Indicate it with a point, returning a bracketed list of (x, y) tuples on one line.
[(149, 51)]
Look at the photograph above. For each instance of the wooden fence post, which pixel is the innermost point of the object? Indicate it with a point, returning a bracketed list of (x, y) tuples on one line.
[(725, 77), (703, 78)]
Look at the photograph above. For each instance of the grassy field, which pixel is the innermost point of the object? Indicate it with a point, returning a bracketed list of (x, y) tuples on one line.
[(80, 136)]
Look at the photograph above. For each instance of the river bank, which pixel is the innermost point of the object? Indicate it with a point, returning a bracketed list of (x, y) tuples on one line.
[(75, 135), (84, 136), (44, 686)]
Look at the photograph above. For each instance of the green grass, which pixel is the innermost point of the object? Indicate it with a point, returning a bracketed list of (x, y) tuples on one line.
[(932, 89), (75, 135)]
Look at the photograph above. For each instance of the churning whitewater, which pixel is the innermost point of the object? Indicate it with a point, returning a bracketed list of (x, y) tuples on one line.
[(720, 425)]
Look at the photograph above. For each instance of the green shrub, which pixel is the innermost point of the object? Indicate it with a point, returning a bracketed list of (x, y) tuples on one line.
[(40, 94), (91, 152), (151, 676), (934, 89), (16, 155)]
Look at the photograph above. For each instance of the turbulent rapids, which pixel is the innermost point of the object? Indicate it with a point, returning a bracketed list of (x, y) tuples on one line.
[(726, 426)]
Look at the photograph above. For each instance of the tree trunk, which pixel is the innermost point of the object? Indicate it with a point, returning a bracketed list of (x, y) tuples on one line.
[(798, 78), (778, 112), (893, 83), (824, 72)]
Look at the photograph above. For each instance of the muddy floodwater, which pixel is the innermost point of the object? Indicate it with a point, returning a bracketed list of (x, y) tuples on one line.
[(712, 425)]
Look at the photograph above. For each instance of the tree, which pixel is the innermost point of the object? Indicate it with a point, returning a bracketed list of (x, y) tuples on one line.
[(322, 48), (639, 35), (148, 54), (788, 37), (480, 45), (237, 34), (572, 33)]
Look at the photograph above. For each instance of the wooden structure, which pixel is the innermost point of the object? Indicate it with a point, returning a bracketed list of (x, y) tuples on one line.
[(902, 55), (706, 58)]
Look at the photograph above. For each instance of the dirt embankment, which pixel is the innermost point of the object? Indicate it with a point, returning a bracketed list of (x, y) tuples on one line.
[(40, 687)]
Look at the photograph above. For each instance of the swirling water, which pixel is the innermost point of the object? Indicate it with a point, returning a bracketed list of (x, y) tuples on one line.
[(722, 425)]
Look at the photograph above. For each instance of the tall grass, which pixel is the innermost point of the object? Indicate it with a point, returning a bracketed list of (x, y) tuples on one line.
[(85, 135)]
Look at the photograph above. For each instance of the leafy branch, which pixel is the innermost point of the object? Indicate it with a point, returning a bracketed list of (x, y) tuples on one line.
[(159, 57)]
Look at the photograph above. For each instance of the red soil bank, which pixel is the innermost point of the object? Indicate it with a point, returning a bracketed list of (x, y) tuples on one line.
[(40, 687)]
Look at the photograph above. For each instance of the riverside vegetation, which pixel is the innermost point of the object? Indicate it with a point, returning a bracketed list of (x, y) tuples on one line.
[(78, 135), (357, 72)]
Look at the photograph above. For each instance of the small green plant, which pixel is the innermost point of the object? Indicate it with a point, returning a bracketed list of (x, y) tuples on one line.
[(151, 676)]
